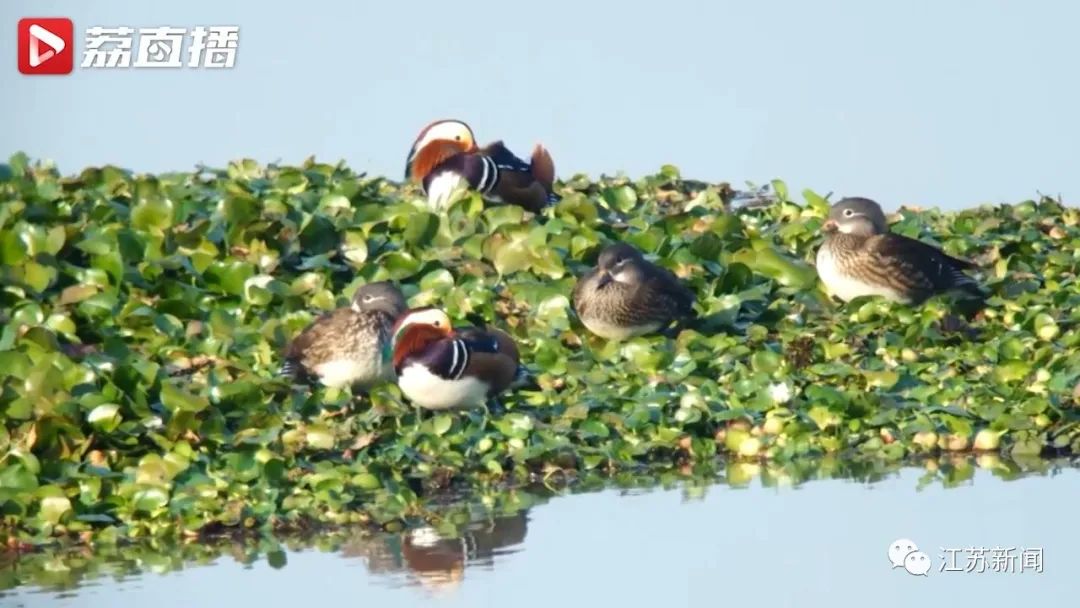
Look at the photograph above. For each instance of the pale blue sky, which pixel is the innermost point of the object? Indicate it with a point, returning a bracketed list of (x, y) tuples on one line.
[(919, 101)]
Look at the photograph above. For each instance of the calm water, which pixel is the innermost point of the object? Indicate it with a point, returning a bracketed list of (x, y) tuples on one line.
[(819, 543)]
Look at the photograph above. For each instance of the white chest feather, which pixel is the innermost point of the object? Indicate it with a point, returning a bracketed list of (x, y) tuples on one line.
[(444, 188), (847, 287), (434, 393), (617, 332), (340, 373)]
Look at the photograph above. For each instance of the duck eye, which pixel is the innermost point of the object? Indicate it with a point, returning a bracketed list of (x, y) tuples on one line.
[(849, 212), (368, 298), (457, 138)]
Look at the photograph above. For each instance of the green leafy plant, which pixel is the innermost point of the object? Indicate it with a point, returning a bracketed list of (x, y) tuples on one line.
[(143, 317)]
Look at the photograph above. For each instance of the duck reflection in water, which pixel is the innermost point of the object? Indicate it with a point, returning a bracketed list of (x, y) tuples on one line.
[(434, 561)]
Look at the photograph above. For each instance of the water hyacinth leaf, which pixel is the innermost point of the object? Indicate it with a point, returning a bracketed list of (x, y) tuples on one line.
[(593, 428), (421, 228), (816, 203), (440, 281), (228, 277), (1012, 371), (495, 217), (766, 260), (622, 198), (1046, 327), (55, 239), (881, 379), (37, 276), (441, 424), (105, 417), (179, 400), (515, 425), (354, 248), (319, 437), (152, 215), (149, 499), (398, 264), (17, 477), (366, 481), (508, 256), (141, 360), (333, 203), (76, 293), (12, 248), (54, 504)]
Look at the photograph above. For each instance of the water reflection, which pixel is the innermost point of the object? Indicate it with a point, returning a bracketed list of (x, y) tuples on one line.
[(473, 538), (434, 560)]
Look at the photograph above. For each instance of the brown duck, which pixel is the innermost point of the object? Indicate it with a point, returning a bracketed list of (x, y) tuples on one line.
[(445, 159), (861, 257), (438, 367), (627, 296), (345, 347)]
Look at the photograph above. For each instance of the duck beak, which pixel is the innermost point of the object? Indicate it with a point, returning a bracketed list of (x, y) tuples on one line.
[(829, 226), (605, 278)]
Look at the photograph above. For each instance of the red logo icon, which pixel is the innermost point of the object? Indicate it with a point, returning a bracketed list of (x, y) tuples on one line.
[(45, 45)]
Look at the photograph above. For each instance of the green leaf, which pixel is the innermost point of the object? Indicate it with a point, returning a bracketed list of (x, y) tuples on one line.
[(105, 417), (441, 424), (1046, 327), (178, 400), (153, 215), (54, 504), (623, 198), (319, 437), (422, 227), (593, 428), (881, 379), (37, 276), (149, 499)]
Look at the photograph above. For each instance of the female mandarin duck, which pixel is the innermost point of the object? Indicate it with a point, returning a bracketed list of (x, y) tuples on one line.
[(440, 368), (445, 158), (627, 296), (861, 257), (345, 347)]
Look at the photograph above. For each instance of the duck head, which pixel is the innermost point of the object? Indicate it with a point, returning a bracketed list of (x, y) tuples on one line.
[(620, 263), (381, 296), (437, 142), (856, 215), (416, 330)]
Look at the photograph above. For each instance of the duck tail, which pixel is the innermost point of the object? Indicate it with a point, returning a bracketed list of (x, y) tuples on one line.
[(543, 168), (971, 288), (524, 379)]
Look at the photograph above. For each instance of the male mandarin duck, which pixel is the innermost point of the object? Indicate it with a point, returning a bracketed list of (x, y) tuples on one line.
[(627, 296), (440, 368), (445, 158), (861, 257), (345, 347)]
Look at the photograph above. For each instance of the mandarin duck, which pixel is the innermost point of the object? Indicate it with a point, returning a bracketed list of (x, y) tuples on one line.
[(627, 296), (445, 159), (861, 257), (345, 347), (439, 367)]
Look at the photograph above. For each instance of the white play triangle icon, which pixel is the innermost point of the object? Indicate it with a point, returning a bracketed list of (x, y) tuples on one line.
[(39, 36)]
